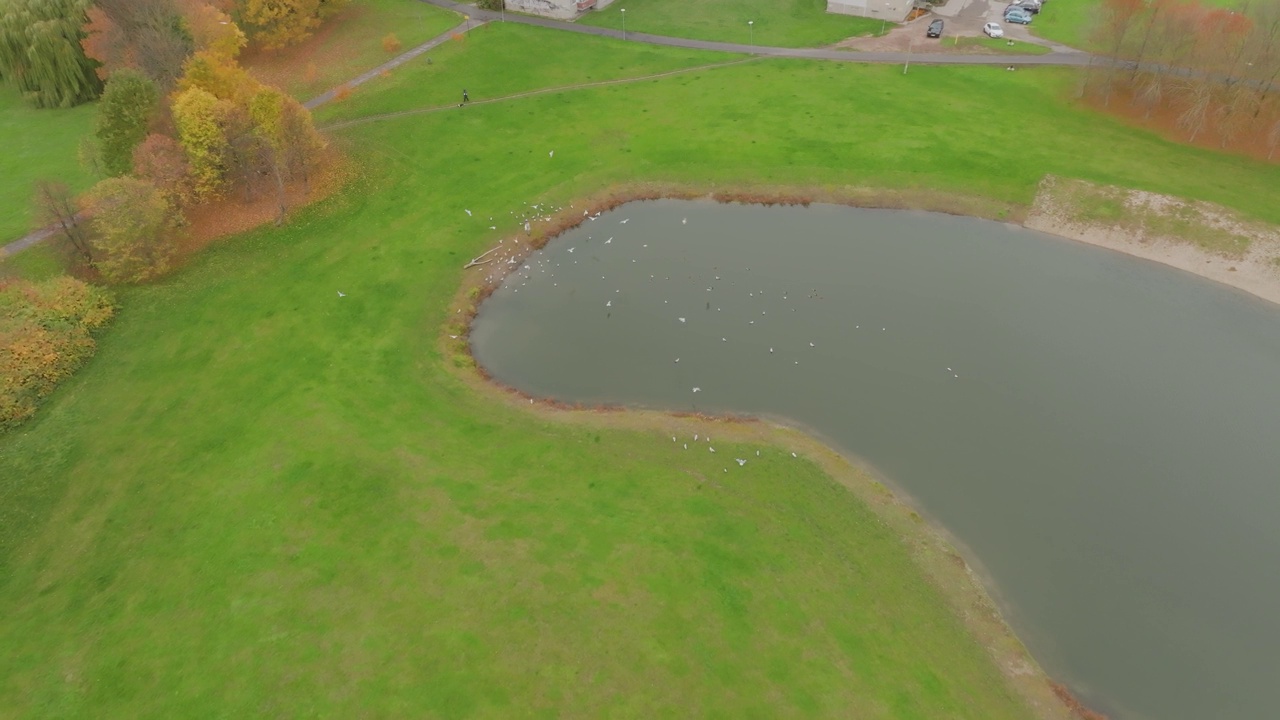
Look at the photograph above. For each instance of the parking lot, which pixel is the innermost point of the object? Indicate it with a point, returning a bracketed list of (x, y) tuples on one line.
[(963, 18)]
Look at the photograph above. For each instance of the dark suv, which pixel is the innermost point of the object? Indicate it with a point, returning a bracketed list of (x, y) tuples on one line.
[(935, 29)]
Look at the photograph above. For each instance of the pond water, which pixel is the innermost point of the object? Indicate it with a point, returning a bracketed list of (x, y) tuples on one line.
[(1099, 432)]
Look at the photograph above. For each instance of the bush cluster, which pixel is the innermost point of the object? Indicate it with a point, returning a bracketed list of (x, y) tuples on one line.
[(46, 332)]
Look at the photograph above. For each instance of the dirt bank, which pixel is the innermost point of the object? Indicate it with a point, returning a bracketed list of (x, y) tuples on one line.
[(1198, 237)]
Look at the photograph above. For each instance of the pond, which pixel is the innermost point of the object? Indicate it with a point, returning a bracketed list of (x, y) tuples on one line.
[(1098, 432)]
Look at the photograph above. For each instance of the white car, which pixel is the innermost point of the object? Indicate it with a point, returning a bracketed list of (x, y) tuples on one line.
[(993, 30)]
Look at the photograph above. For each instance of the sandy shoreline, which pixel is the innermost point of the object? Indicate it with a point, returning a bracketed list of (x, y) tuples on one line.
[(1147, 228)]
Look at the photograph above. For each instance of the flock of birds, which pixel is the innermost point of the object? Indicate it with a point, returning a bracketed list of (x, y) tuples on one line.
[(514, 266)]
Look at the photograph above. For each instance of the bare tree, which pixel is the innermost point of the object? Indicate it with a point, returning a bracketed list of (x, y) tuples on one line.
[(56, 207)]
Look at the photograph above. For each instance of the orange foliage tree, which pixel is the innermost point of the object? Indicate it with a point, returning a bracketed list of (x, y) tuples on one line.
[(1214, 70)]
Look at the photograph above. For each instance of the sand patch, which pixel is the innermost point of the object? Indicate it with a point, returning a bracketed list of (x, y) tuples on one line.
[(1199, 237)]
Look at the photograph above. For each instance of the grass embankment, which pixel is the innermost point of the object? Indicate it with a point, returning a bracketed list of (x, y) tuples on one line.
[(778, 23), (348, 44), (264, 498), (38, 144)]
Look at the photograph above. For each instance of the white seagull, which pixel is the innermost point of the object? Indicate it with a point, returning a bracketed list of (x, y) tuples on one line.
[(341, 294), (697, 389), (468, 212), (681, 319), (741, 462)]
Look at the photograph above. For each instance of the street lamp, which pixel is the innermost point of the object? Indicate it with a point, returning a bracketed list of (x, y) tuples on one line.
[(624, 23), (751, 31), (503, 7)]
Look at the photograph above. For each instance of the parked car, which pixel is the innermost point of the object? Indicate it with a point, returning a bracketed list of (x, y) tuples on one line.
[(935, 29), (993, 30), (1031, 6), (1017, 15)]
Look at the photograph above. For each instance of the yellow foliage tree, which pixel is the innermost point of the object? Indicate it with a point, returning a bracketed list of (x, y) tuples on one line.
[(213, 30), (279, 23), (133, 226), (196, 113)]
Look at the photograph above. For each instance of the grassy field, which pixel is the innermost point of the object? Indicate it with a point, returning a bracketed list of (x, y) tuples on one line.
[(780, 23), (1005, 46), (348, 44), (263, 499), (1067, 21), (38, 144)]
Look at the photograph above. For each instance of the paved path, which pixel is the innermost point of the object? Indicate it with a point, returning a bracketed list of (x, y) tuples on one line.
[(395, 62)]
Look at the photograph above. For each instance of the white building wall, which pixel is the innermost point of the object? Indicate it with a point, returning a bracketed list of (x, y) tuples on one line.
[(559, 9), (891, 10)]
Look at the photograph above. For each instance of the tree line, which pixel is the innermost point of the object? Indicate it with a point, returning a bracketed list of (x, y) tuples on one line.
[(1215, 68), (58, 52), (179, 123)]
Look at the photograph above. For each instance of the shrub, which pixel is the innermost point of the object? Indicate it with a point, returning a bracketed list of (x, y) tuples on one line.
[(45, 334), (391, 43)]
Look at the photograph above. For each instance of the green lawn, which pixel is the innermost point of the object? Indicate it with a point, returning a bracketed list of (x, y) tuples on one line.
[(1017, 47), (39, 262), (779, 23), (37, 144), (1067, 21), (263, 499), (348, 44)]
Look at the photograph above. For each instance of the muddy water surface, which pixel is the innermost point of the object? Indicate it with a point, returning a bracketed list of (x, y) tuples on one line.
[(1102, 434)]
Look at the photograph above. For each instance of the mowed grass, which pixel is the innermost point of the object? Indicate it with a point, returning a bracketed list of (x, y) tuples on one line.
[(39, 262), (348, 44), (38, 144), (1001, 45), (263, 499), (1070, 22), (778, 23), (501, 68)]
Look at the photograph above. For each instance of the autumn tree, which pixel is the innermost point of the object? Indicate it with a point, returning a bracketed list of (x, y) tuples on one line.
[(160, 159), (40, 52), (128, 102), (220, 76), (150, 36), (56, 208), (1116, 20), (301, 143), (198, 117), (133, 227), (213, 30), (275, 24)]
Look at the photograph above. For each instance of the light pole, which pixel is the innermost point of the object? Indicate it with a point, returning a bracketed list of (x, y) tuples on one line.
[(503, 7), (624, 23), (751, 31)]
